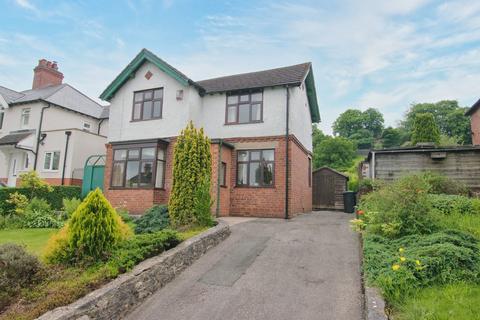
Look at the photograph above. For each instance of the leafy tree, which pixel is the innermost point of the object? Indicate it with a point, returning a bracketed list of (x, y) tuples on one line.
[(348, 123), (362, 127), (363, 138), (191, 170), (425, 129), (337, 153), (31, 180), (448, 115), (317, 136), (373, 121)]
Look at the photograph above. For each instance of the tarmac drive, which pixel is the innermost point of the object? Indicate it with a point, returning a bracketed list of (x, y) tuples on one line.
[(305, 268)]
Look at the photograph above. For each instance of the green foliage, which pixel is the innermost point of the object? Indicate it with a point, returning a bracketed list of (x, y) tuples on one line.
[(362, 127), (140, 247), (91, 234), (454, 204), (18, 270), (394, 137), (70, 205), (447, 115), (438, 258), (440, 184), (425, 129), (203, 205), (155, 219), (32, 181), (191, 168), (39, 214), (398, 209), (54, 198), (352, 173), (11, 222), (337, 153), (18, 202)]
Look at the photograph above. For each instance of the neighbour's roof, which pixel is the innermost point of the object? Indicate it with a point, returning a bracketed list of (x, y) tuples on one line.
[(14, 138), (420, 149), (473, 108), (331, 170), (63, 95), (291, 75)]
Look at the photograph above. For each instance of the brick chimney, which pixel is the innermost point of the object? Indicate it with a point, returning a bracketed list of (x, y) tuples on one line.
[(46, 74)]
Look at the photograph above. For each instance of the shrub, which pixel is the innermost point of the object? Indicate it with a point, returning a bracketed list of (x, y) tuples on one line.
[(398, 209), (155, 219), (69, 206), (141, 247), (91, 234), (452, 204), (203, 204), (39, 214), (124, 214), (191, 168), (11, 222), (31, 180), (19, 202), (55, 198), (440, 184), (425, 129), (438, 258), (18, 269)]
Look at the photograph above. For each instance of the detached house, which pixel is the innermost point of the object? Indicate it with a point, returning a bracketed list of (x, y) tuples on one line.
[(259, 124), (52, 128)]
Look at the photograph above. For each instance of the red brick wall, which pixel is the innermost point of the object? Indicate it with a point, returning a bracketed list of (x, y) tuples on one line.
[(4, 180), (300, 195), (475, 124), (226, 156), (56, 181)]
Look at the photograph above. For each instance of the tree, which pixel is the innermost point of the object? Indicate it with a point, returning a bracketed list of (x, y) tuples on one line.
[(362, 127), (192, 169), (373, 121), (348, 123), (425, 129), (448, 115), (337, 153)]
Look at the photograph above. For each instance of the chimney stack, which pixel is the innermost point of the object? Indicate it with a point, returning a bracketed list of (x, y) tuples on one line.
[(46, 74)]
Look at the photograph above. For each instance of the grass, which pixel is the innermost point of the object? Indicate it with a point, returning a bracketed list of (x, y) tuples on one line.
[(34, 239), (458, 301)]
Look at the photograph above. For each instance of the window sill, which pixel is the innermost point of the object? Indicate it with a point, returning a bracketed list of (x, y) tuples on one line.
[(51, 171), (146, 120), (240, 123), (225, 187), (253, 187), (143, 188)]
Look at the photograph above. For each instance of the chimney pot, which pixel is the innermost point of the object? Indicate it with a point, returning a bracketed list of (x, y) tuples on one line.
[(46, 74)]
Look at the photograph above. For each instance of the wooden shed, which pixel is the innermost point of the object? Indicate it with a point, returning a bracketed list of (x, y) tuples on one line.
[(328, 188)]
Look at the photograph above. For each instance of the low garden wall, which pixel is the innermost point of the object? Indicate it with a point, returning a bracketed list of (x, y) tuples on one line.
[(117, 298)]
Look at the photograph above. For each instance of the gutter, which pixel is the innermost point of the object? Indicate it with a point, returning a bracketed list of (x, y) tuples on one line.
[(287, 133), (219, 165), (39, 136), (68, 134)]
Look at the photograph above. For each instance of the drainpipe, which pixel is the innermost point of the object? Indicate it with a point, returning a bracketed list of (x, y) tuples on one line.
[(100, 125), (219, 165), (287, 133), (68, 134), (373, 165), (40, 137)]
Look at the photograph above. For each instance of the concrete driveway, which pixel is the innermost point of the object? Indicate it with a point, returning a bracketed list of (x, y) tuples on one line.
[(304, 268)]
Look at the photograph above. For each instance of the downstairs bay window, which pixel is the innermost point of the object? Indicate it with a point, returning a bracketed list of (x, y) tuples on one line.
[(255, 168), (138, 167)]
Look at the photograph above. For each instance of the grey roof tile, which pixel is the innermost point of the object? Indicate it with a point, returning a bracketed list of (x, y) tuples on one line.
[(9, 95), (14, 138)]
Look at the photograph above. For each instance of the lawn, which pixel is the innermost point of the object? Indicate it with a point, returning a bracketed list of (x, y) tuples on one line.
[(34, 239)]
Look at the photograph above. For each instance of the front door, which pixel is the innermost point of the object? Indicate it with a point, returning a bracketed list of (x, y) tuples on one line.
[(12, 171)]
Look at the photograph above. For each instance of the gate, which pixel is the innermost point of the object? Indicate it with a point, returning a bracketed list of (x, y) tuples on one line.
[(327, 189), (93, 174)]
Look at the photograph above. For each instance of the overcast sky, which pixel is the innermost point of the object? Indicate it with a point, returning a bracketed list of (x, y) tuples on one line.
[(381, 54)]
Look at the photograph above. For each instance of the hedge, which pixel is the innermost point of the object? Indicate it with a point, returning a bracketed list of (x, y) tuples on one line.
[(54, 198)]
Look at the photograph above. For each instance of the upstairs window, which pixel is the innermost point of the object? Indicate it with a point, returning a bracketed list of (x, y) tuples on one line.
[(244, 108), (147, 104), (52, 161), (255, 168), (25, 117), (87, 126)]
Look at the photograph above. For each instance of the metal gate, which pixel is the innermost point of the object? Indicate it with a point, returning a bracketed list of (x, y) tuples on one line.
[(93, 174)]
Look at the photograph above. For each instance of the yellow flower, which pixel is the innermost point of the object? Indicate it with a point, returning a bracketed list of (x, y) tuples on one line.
[(395, 267), (417, 262), (403, 259), (401, 250)]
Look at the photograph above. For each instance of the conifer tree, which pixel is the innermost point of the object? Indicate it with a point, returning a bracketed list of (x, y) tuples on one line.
[(425, 129)]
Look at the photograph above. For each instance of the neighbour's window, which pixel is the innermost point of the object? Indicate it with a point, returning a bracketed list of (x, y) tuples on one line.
[(138, 167), (309, 172), (87, 126), (244, 108), (223, 174), (255, 168), (52, 160), (2, 114), (147, 104), (25, 117), (25, 161)]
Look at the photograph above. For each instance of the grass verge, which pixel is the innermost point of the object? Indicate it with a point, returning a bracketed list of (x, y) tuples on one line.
[(34, 239)]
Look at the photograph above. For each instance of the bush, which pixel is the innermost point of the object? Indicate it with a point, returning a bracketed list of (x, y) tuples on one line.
[(54, 198), (440, 184), (32, 181), (69, 206), (39, 214), (425, 129), (398, 209), (18, 270), (203, 204), (124, 214), (438, 258), (18, 202), (191, 168), (452, 204), (11, 222), (139, 248), (155, 219), (91, 234)]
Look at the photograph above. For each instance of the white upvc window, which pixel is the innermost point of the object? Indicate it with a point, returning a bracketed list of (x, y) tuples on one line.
[(52, 161), (87, 126), (25, 118), (26, 161)]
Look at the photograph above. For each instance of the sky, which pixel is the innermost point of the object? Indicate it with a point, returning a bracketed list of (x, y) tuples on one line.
[(381, 54)]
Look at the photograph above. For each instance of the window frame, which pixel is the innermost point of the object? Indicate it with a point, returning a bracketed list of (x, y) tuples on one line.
[(223, 178), (309, 172), (154, 161), (238, 103), (22, 117), (153, 100), (50, 167), (84, 128), (260, 161)]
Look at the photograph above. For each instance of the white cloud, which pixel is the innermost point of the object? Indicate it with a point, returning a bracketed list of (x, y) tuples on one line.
[(25, 4)]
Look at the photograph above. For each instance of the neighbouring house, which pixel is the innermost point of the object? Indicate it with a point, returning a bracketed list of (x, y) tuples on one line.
[(259, 124), (52, 128), (474, 115), (460, 163)]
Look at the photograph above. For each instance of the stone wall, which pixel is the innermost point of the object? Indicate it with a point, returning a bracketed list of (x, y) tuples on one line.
[(119, 297)]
